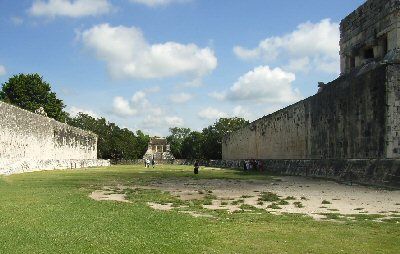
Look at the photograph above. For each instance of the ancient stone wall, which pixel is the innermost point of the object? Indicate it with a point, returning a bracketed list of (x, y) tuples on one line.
[(349, 119), (393, 111), (363, 171), (30, 141), (370, 32)]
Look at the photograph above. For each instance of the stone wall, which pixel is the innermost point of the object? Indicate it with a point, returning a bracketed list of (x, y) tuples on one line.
[(30, 142), (370, 32), (363, 171), (354, 117), (393, 111)]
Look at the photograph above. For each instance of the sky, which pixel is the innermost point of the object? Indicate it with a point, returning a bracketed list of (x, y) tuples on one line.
[(156, 64)]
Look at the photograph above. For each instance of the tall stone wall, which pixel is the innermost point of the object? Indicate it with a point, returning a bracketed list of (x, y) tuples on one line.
[(370, 32), (354, 117), (393, 111), (30, 142)]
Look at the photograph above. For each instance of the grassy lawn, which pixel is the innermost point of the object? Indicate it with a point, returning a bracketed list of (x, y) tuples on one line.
[(50, 212)]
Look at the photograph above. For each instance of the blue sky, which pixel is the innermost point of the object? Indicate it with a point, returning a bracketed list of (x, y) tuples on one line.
[(155, 64)]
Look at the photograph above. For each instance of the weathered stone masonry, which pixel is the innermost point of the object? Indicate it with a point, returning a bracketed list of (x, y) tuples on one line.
[(31, 142), (354, 120), (345, 121)]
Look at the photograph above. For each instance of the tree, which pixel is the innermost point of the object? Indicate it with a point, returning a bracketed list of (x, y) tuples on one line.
[(30, 92), (113, 142), (142, 143), (191, 146), (178, 135), (212, 136)]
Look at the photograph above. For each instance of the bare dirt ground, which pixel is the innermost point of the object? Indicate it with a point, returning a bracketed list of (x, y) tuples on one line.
[(107, 194), (312, 197)]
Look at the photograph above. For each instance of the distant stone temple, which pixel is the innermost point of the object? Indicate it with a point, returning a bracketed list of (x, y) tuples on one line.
[(158, 149)]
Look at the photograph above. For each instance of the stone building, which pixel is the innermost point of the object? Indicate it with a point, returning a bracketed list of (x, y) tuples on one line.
[(30, 142), (356, 116), (158, 149), (369, 34)]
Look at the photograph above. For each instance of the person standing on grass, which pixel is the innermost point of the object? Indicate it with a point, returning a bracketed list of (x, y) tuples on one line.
[(260, 165), (196, 168), (153, 162)]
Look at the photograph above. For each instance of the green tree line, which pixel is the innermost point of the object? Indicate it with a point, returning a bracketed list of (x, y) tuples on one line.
[(30, 91)]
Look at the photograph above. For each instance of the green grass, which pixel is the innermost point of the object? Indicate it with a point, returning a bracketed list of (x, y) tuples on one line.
[(326, 202), (237, 202), (247, 207), (274, 206), (298, 204), (269, 197), (50, 212), (282, 202), (332, 216), (333, 209)]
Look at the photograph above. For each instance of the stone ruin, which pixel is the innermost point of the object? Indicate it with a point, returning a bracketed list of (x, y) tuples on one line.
[(31, 141), (371, 34), (356, 116), (158, 149), (352, 125), (40, 111)]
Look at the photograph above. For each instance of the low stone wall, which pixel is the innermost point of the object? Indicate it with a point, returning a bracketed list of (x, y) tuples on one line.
[(372, 172), (39, 165)]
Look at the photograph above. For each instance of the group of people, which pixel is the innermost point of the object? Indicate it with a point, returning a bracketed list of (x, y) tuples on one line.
[(148, 162), (253, 165)]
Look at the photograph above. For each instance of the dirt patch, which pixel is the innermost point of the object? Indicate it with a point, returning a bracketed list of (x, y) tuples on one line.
[(197, 215), (302, 195), (108, 194), (161, 207), (294, 195)]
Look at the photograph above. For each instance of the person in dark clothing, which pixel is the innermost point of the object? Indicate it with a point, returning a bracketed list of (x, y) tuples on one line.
[(244, 166), (196, 168), (153, 162)]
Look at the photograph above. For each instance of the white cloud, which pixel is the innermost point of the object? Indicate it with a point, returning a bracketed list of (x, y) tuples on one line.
[(211, 113), (122, 108), (174, 121), (319, 42), (154, 3), (240, 111), (70, 8), (151, 116), (129, 55), (74, 111), (262, 85), (3, 70), (154, 89), (300, 64), (180, 97), (218, 95), (196, 82)]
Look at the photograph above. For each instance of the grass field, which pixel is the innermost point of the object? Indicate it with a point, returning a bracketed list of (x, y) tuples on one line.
[(51, 212)]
